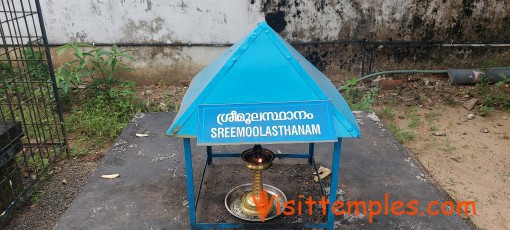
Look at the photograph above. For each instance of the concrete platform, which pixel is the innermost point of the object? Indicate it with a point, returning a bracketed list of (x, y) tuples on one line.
[(151, 190)]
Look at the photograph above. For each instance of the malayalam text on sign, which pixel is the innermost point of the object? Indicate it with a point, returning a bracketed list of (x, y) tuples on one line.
[(294, 122)]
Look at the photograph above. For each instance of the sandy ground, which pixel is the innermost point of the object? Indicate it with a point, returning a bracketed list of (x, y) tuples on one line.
[(469, 159), (470, 164)]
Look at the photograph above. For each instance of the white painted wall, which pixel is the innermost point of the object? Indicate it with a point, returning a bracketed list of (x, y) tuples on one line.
[(149, 21)]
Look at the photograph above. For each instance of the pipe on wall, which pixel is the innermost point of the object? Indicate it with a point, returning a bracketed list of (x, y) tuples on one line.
[(472, 76), (365, 42)]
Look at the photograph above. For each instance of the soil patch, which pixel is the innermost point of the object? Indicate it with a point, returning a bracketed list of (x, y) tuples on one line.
[(469, 160), (52, 197), (465, 153)]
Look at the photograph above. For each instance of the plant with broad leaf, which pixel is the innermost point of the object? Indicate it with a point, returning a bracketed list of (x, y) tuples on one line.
[(100, 104), (92, 69)]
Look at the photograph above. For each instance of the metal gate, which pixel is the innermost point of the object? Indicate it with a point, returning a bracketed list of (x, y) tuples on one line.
[(32, 134)]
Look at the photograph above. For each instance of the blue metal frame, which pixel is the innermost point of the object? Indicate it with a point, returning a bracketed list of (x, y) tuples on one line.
[(335, 162), (192, 202), (311, 149), (189, 182)]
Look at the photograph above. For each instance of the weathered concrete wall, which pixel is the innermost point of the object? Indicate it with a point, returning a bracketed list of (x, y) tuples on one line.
[(226, 21), (148, 21), (474, 20), (393, 20)]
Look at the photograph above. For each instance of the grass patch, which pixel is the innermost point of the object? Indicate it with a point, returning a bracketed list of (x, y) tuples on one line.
[(386, 112), (36, 195), (414, 123), (105, 116), (432, 116), (403, 136), (447, 147), (415, 120), (78, 152), (450, 124), (34, 163), (429, 144)]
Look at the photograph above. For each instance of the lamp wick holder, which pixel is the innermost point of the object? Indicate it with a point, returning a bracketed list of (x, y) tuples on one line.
[(257, 159)]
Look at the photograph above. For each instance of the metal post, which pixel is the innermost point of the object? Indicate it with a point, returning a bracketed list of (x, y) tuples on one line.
[(334, 182), (52, 75), (189, 182), (363, 42), (311, 148), (370, 58), (209, 155)]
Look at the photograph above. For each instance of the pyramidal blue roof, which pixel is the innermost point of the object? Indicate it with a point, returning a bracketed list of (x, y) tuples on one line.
[(261, 68)]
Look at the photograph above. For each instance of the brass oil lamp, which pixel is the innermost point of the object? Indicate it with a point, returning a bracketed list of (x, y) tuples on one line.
[(257, 159)]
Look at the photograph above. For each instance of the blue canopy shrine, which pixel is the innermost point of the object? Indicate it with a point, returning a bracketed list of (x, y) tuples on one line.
[(262, 71)]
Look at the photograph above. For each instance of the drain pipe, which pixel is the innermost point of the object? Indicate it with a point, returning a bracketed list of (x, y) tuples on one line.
[(472, 76), (402, 71), (456, 76)]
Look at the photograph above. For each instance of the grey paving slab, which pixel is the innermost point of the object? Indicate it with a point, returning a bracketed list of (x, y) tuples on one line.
[(151, 190)]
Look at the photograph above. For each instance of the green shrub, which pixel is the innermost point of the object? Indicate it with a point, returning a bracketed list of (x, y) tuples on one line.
[(101, 104), (92, 71), (493, 95), (357, 99), (386, 112)]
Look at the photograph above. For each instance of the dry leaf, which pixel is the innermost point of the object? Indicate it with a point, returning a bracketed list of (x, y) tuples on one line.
[(57, 169), (323, 173), (110, 176)]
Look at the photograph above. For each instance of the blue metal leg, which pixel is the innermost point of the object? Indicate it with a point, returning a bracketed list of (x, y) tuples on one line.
[(189, 182), (334, 182), (209, 155), (311, 149)]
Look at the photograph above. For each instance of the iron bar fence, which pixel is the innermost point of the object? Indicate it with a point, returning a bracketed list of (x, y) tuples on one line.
[(32, 134)]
